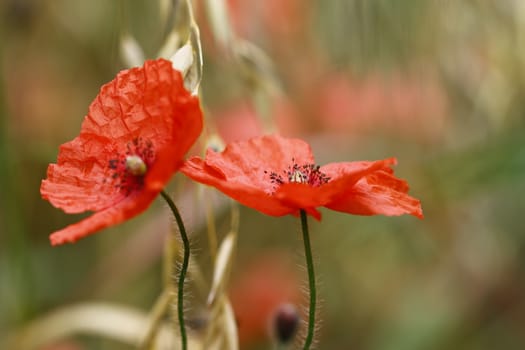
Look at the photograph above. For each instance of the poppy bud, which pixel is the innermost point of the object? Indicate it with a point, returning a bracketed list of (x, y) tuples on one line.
[(285, 323)]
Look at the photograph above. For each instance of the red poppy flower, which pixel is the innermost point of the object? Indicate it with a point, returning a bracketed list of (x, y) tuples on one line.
[(133, 139), (277, 176)]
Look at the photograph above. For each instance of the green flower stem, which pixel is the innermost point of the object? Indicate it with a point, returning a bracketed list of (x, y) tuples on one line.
[(311, 281), (184, 269)]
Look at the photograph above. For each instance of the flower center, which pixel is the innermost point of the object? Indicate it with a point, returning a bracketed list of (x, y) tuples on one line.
[(297, 177), (129, 168), (309, 174), (135, 165)]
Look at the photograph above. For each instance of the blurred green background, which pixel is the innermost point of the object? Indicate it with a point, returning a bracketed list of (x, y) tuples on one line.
[(438, 84)]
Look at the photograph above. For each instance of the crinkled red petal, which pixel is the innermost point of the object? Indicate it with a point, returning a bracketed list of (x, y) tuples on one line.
[(242, 170), (250, 162), (378, 193), (343, 176), (122, 211), (242, 191)]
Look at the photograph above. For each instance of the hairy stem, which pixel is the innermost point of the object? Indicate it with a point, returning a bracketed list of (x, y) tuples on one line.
[(311, 281), (184, 268)]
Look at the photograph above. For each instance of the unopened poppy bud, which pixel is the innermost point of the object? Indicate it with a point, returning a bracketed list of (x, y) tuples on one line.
[(285, 323), (136, 166)]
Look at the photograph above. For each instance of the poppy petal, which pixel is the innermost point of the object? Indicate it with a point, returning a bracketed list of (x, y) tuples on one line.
[(122, 211), (242, 191), (343, 176), (379, 193), (301, 196), (242, 170), (250, 162), (76, 183)]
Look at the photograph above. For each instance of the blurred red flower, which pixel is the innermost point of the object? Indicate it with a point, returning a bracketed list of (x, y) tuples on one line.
[(133, 139), (262, 286), (281, 19), (408, 105), (277, 176), (239, 120)]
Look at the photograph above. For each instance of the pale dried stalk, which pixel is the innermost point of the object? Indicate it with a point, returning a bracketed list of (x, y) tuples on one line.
[(155, 318), (222, 267), (254, 65), (112, 321), (222, 330), (210, 222)]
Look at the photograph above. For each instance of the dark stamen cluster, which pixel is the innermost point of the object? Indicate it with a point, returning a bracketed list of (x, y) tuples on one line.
[(306, 174), (275, 178), (124, 180)]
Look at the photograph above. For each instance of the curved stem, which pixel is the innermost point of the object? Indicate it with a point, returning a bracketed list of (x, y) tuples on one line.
[(184, 268), (311, 281)]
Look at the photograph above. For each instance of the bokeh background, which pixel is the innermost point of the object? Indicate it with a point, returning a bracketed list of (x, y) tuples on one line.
[(438, 84)]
